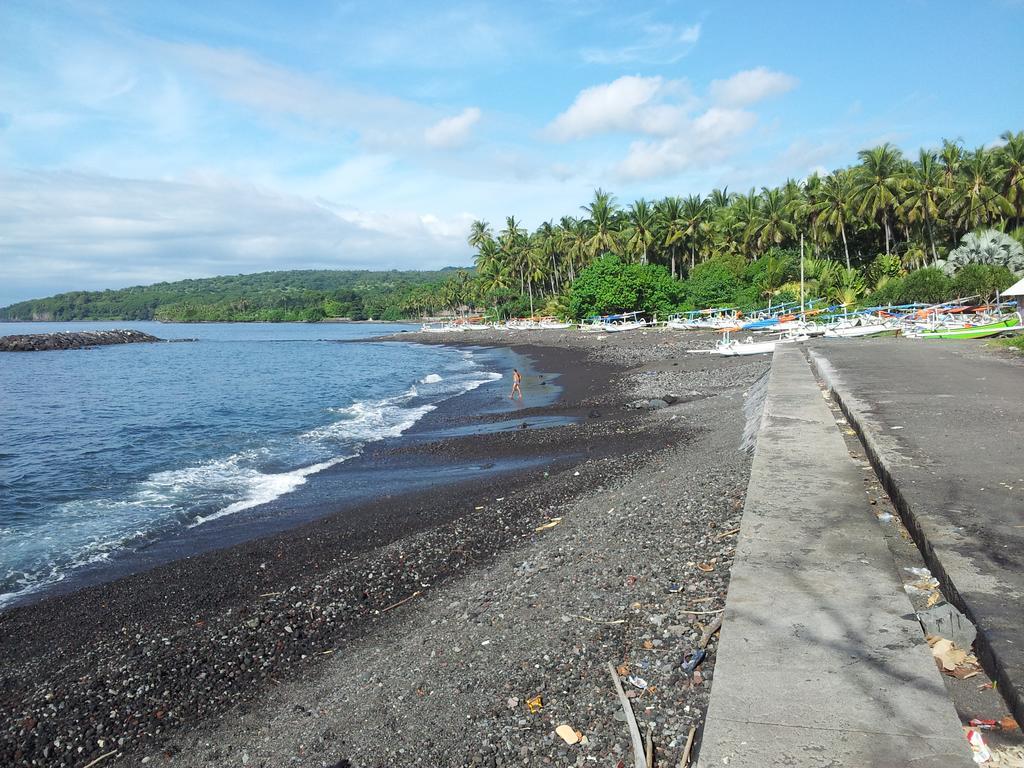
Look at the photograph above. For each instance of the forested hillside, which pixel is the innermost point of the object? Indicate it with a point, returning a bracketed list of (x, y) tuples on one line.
[(265, 296)]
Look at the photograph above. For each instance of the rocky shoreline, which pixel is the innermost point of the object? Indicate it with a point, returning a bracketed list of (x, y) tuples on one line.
[(47, 342), (412, 630)]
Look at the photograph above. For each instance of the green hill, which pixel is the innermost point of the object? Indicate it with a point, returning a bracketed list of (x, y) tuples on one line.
[(265, 296)]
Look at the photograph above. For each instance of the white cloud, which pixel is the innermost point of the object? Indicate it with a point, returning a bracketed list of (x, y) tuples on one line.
[(630, 104), (276, 91), (709, 138), (751, 86), (452, 132), (690, 34), (657, 43), (73, 231)]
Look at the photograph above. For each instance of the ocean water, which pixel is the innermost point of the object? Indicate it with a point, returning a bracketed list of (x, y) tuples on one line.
[(110, 449)]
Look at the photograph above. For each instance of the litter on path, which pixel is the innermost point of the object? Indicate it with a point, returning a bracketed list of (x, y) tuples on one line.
[(550, 524), (569, 734), (951, 660)]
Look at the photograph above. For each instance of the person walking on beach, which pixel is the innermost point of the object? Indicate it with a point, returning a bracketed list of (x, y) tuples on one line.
[(517, 379)]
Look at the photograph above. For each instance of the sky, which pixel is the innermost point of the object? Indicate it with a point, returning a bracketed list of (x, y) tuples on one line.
[(150, 141)]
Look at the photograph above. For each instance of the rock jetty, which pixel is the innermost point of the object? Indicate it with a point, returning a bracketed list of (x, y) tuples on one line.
[(43, 342)]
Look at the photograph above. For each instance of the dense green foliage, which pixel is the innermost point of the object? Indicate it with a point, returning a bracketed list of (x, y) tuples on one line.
[(608, 286), (863, 230), (712, 284), (266, 296)]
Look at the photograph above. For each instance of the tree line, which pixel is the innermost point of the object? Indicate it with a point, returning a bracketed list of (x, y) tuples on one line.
[(859, 228)]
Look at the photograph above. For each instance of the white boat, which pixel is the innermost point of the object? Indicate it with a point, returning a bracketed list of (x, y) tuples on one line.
[(614, 323), (440, 328), (858, 327), (732, 347)]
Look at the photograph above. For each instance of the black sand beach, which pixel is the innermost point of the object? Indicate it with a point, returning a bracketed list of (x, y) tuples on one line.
[(410, 629)]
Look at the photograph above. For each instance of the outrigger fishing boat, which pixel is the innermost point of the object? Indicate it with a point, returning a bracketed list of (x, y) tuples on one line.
[(627, 321), (730, 347), (981, 328), (537, 324), (860, 326)]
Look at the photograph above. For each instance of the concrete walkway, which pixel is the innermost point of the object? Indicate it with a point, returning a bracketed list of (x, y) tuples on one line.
[(821, 661), (943, 423)]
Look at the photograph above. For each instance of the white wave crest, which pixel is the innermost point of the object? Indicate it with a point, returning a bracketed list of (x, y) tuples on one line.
[(431, 378), (262, 488)]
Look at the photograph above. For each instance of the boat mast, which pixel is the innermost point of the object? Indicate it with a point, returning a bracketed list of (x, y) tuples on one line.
[(802, 276)]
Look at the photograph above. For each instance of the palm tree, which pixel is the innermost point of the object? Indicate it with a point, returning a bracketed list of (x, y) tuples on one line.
[(1010, 162), (924, 193), (878, 185), (695, 219), (747, 214), (719, 198), (641, 228), (513, 242), (976, 197), (479, 232), (534, 263), (834, 207), (773, 225), (669, 214), (603, 223), (574, 243)]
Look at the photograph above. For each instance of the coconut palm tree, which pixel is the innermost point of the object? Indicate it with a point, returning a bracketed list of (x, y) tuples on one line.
[(604, 227), (695, 219), (877, 186), (976, 197), (924, 193), (671, 225), (774, 225), (1010, 163), (640, 235), (479, 232), (513, 241), (744, 221), (574, 243), (834, 207)]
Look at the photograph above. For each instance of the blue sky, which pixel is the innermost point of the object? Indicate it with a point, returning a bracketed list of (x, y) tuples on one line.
[(155, 141)]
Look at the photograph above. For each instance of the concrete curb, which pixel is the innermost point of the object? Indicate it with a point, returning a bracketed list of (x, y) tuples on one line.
[(821, 660), (859, 421)]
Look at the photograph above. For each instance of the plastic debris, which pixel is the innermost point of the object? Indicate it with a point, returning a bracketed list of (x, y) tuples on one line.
[(1002, 724), (692, 660), (980, 751), (550, 524), (569, 734), (637, 682), (534, 705), (674, 588)]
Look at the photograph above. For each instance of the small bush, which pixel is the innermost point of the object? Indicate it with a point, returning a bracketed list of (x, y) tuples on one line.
[(927, 285), (984, 280), (712, 284)]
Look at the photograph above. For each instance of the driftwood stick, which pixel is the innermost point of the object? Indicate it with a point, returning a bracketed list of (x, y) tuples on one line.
[(649, 747), (733, 532), (417, 593), (639, 759), (704, 613), (684, 761), (713, 627), (100, 758)]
